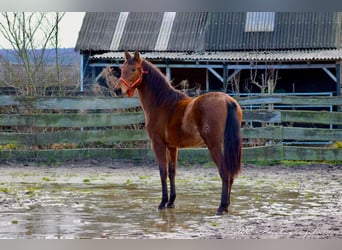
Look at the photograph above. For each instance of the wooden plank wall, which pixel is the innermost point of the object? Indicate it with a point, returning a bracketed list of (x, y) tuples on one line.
[(31, 127)]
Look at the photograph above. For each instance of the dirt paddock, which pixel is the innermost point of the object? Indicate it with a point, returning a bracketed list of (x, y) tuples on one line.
[(118, 199)]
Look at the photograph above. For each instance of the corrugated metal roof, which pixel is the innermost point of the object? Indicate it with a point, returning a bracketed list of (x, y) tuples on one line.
[(97, 31), (188, 32), (232, 56), (119, 30), (208, 31), (141, 31), (260, 21), (165, 31), (226, 31)]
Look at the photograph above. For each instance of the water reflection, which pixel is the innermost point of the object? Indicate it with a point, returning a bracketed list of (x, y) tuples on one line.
[(114, 211)]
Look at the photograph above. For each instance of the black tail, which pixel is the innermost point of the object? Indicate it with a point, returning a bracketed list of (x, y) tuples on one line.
[(232, 140)]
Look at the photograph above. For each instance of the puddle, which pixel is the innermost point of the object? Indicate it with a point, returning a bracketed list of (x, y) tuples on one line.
[(97, 211), (128, 209)]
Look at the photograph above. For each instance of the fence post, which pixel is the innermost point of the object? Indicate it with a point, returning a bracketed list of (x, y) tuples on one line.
[(338, 81)]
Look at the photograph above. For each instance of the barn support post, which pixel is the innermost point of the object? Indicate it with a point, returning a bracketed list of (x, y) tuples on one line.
[(81, 73), (168, 72), (93, 75), (338, 78), (338, 82), (84, 70), (225, 77), (207, 79)]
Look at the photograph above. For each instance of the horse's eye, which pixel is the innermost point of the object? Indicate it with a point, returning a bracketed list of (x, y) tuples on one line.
[(133, 69)]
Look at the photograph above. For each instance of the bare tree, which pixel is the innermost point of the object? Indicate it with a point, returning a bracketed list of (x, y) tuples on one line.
[(30, 34)]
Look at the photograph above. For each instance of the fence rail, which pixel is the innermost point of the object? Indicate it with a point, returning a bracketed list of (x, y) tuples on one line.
[(30, 125)]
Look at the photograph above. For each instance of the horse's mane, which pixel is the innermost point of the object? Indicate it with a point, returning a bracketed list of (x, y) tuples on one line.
[(160, 87)]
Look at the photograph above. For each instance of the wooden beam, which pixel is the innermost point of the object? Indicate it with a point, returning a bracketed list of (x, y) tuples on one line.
[(218, 76), (236, 71), (77, 120), (312, 153), (70, 103), (331, 75), (229, 66)]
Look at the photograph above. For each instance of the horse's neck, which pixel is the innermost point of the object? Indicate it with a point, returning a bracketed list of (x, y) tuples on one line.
[(146, 100), (148, 97)]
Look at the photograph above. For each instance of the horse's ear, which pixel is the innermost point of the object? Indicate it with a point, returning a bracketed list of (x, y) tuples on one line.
[(137, 56), (127, 55)]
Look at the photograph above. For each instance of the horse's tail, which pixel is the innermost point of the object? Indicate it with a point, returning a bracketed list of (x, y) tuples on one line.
[(232, 140)]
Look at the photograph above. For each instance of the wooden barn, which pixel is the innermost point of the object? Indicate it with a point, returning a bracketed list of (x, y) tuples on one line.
[(234, 52)]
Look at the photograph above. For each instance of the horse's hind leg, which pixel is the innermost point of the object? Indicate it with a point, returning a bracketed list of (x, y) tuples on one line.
[(173, 155), (231, 180), (217, 156)]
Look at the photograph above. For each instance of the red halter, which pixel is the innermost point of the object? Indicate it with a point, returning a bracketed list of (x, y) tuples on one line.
[(131, 87)]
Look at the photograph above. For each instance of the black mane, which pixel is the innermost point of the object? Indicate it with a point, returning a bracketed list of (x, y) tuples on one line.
[(160, 87)]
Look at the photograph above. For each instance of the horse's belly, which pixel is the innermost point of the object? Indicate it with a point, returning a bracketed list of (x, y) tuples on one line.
[(194, 141), (185, 138)]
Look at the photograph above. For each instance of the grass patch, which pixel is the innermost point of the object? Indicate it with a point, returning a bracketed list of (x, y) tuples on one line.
[(296, 163), (337, 144), (145, 177), (309, 196), (128, 182), (4, 190), (288, 163), (86, 180), (271, 201), (30, 192), (214, 224), (264, 163)]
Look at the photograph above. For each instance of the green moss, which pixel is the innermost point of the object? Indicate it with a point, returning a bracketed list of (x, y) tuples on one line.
[(128, 182), (46, 179), (4, 190), (214, 224)]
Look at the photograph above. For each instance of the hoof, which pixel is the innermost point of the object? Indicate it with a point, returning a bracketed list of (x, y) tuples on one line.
[(161, 206), (219, 213), (221, 210), (170, 205)]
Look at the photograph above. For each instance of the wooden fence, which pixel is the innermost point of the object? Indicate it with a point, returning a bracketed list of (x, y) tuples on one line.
[(58, 129)]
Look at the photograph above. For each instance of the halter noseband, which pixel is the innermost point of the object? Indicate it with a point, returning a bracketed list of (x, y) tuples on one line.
[(135, 83)]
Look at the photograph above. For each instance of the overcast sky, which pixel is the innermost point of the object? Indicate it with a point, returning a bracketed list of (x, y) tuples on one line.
[(69, 28)]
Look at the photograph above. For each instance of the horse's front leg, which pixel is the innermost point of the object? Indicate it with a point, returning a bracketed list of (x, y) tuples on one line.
[(173, 155), (160, 153), (163, 178)]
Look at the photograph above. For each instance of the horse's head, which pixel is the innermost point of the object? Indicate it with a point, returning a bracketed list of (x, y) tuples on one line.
[(131, 75)]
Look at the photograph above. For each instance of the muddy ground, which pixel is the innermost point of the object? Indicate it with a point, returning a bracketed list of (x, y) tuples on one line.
[(118, 199)]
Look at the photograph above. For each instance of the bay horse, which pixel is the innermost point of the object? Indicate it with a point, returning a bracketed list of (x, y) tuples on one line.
[(174, 120)]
